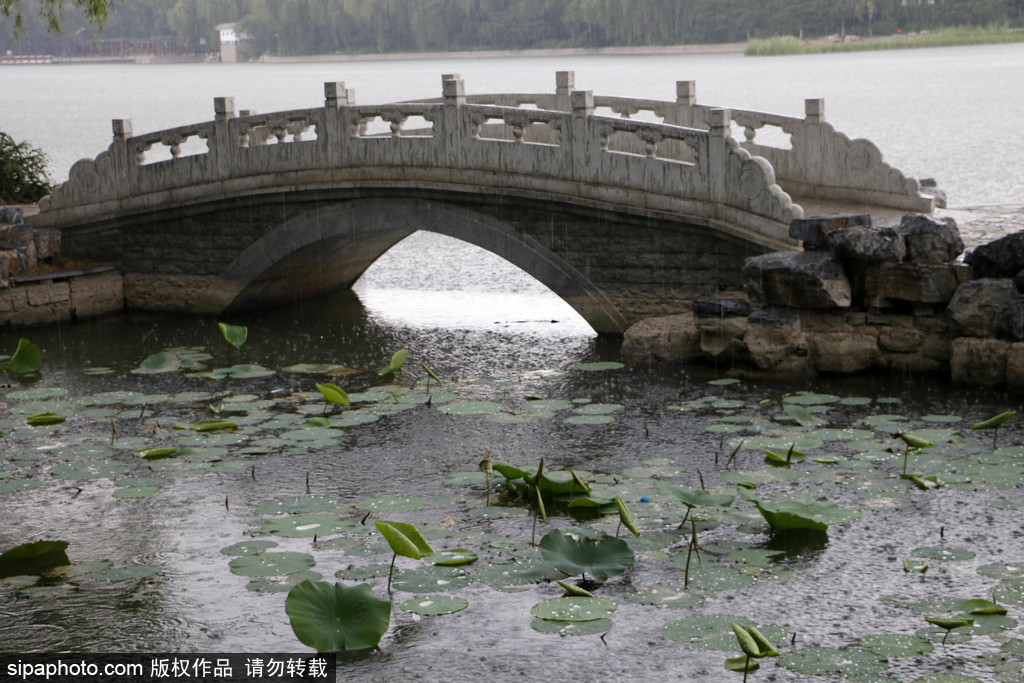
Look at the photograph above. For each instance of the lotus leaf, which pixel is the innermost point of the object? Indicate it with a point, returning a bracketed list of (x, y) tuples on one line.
[(244, 371), (404, 539), (691, 497), (307, 526), (834, 661), (33, 558), (271, 564), (599, 366), (332, 618), (333, 393), (572, 628), (26, 359), (600, 558), (453, 558), (248, 547), (164, 361), (786, 513), (431, 579), (234, 334), (574, 608), (471, 408), (397, 361), (897, 645), (44, 419), (434, 605), (714, 631)]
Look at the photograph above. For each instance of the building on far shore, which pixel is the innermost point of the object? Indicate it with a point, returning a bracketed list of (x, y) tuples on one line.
[(234, 47)]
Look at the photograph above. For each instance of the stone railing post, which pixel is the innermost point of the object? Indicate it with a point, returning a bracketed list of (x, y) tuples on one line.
[(584, 143), (717, 161), (124, 180), (565, 81), (453, 130), (814, 111), (335, 137), (222, 146)]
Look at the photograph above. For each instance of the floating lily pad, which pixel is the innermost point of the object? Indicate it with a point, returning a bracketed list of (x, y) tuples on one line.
[(33, 558), (135, 491), (597, 367), (37, 393), (896, 644), (430, 579), (725, 382), (834, 661), (245, 371), (811, 399), (95, 469), (271, 564), (453, 558), (280, 584), (471, 408), (714, 579), (518, 574), (307, 526), (329, 618), (164, 361), (598, 409), (714, 631), (435, 605), (600, 559), (547, 405), (574, 608), (572, 628), (248, 547), (938, 553), (19, 485), (392, 503)]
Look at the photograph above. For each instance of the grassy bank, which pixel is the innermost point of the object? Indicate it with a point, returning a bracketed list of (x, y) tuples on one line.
[(948, 37)]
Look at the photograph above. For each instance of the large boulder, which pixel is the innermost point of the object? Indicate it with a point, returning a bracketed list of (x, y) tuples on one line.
[(797, 279), (1008, 320), (885, 283), (667, 338), (976, 300), (869, 245), (979, 361), (931, 240), (775, 340), (813, 231), (1003, 257), (12, 215), (725, 316), (844, 353)]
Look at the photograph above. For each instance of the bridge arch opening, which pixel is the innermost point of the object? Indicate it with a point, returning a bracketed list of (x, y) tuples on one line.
[(433, 280), (332, 245)]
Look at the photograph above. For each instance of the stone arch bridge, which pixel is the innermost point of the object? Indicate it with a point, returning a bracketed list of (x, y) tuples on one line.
[(622, 217)]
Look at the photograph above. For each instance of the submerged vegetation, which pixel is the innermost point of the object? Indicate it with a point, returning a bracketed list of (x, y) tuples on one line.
[(835, 471)]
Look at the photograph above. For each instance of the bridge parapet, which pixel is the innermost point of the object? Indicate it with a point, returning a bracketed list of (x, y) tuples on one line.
[(819, 162), (569, 154)]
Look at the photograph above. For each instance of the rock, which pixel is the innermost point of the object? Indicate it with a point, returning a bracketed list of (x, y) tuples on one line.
[(930, 187), (813, 230), (725, 316), (1015, 369), (797, 279), (871, 245), (671, 338), (47, 243), (12, 215), (723, 347), (1003, 257), (979, 361), (887, 283), (721, 308), (930, 240), (844, 354), (976, 300), (900, 339), (1008, 320), (775, 340)]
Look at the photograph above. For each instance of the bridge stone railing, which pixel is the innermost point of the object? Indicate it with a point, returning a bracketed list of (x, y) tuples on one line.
[(820, 163), (557, 149)]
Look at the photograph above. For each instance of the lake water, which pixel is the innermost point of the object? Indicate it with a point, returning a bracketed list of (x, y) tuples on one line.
[(500, 340)]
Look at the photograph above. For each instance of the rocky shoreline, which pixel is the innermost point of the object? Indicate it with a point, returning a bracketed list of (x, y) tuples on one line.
[(860, 298)]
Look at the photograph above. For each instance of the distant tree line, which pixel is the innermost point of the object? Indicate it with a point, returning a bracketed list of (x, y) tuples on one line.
[(302, 27)]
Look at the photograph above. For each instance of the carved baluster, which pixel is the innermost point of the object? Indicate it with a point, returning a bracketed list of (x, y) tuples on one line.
[(296, 128), (749, 132), (396, 118)]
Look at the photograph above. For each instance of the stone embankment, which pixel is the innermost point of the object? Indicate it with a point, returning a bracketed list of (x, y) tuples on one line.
[(902, 299), (38, 287)]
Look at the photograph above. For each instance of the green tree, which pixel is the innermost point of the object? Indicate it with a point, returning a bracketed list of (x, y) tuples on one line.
[(23, 178), (53, 11)]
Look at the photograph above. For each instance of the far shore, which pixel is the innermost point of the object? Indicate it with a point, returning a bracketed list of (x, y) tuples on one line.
[(717, 48)]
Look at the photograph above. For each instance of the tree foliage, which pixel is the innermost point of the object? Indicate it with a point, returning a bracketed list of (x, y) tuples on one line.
[(298, 27), (23, 177)]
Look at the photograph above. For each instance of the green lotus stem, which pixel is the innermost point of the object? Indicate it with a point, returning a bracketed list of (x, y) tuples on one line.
[(392, 570), (746, 669)]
